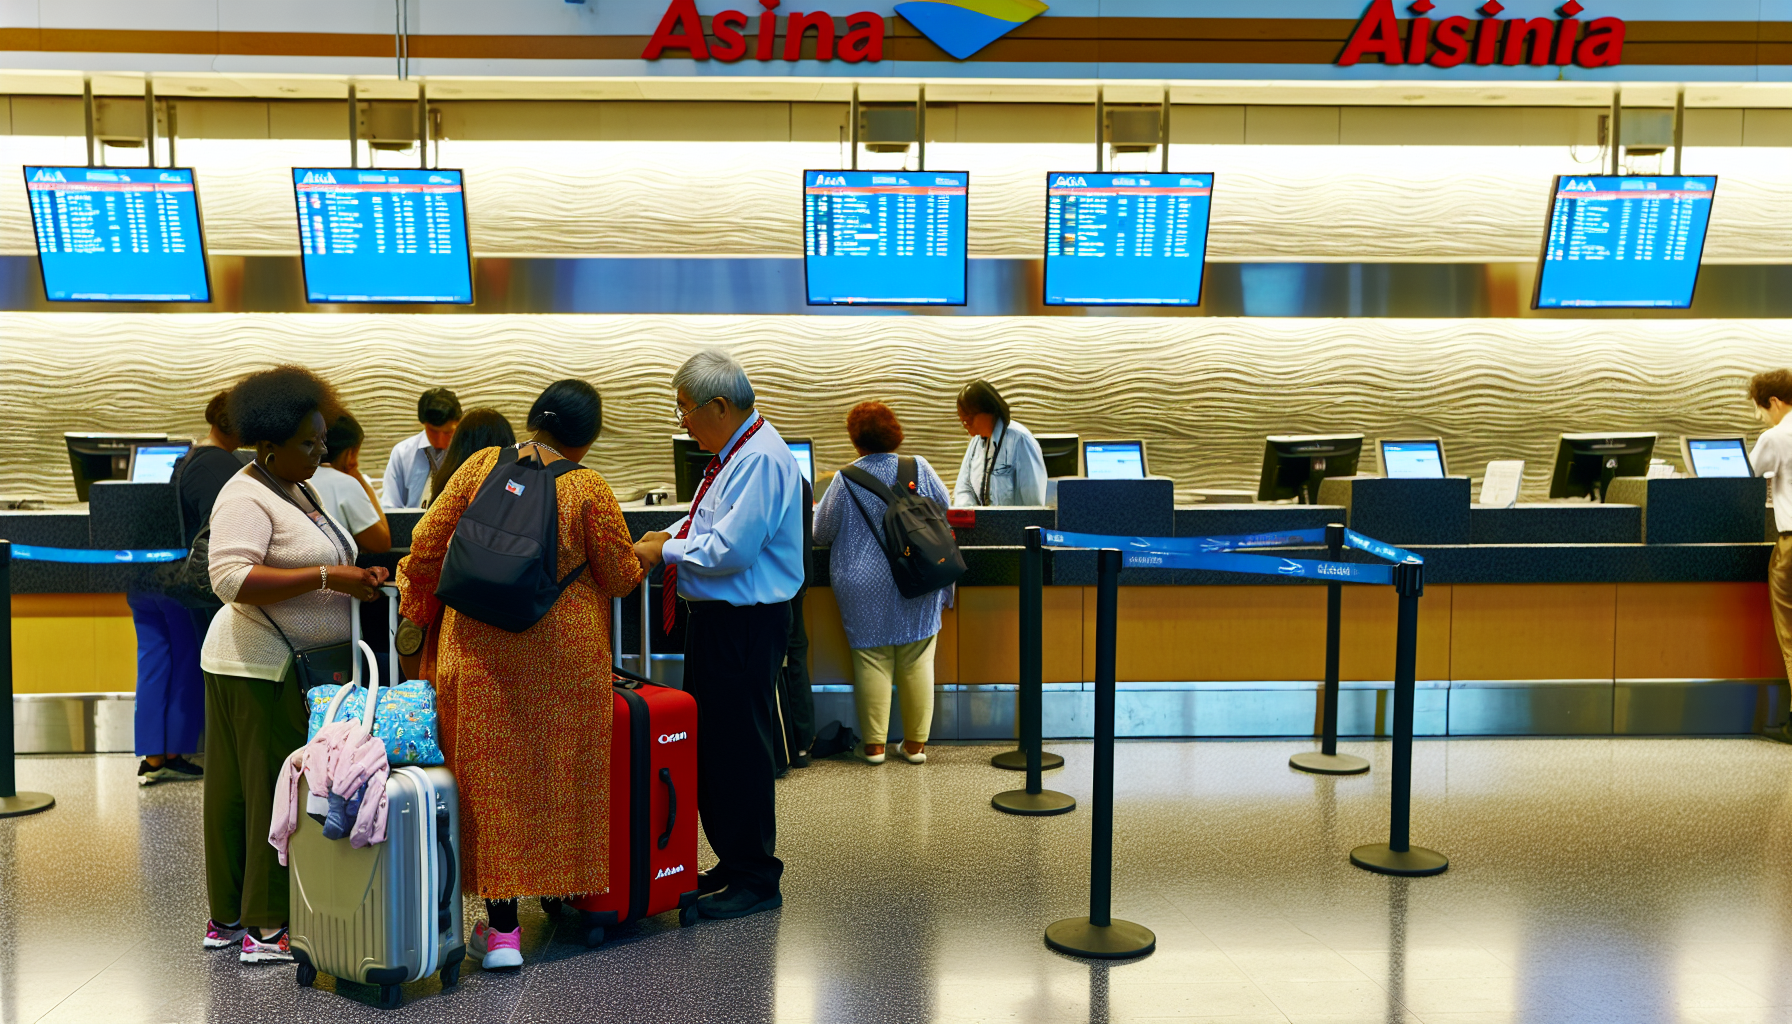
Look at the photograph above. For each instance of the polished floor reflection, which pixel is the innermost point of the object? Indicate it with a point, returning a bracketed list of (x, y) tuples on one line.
[(1625, 880)]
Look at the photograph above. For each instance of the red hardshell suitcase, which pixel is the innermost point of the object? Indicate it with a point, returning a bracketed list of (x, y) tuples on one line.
[(653, 810)]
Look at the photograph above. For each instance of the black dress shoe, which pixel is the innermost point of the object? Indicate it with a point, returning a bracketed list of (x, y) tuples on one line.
[(735, 901), (710, 881), (800, 760)]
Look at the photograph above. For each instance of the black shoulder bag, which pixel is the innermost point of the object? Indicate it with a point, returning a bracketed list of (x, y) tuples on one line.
[(189, 581), (325, 664)]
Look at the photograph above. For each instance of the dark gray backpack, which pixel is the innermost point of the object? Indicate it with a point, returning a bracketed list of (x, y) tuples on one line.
[(915, 537), (502, 563)]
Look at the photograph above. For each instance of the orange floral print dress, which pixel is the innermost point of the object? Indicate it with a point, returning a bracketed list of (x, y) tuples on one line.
[(525, 717)]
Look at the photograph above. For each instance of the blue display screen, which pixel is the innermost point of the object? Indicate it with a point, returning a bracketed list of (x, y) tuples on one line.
[(1722, 456), (893, 238), (1125, 239), (1624, 241), (1412, 460), (1114, 460), (118, 234), (383, 235)]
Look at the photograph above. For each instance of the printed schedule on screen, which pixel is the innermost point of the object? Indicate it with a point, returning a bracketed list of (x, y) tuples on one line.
[(383, 235), (1624, 241), (885, 237), (124, 234), (1125, 239)]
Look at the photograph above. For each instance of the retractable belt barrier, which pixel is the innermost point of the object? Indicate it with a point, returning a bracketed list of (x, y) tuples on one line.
[(1223, 554), (12, 802), (94, 556)]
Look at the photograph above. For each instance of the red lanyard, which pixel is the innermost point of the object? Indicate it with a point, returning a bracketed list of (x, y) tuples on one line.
[(669, 584)]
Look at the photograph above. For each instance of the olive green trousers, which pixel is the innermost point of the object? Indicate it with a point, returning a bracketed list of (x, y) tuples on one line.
[(251, 725)]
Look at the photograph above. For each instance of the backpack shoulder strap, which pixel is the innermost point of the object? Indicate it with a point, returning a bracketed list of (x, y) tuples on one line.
[(859, 476), (907, 476)]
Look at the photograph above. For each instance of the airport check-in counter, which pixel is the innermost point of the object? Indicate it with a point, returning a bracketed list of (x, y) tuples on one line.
[(1647, 615)]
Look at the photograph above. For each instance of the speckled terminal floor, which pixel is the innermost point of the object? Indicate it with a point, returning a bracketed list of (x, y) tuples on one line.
[(1627, 880)]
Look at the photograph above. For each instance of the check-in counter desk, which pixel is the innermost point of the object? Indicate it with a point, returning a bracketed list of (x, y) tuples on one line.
[(1646, 617)]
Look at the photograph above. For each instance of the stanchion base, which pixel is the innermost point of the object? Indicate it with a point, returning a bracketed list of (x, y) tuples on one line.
[(1038, 805), (1117, 941), (1016, 761), (1413, 862), (1328, 764), (25, 803)]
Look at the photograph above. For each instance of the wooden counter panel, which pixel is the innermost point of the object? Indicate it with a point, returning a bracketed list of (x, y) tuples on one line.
[(1532, 630), (73, 643), (1695, 631), (1370, 618), (989, 637), (1179, 634)]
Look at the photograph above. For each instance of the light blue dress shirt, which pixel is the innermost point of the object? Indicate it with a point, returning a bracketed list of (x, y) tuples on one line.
[(746, 541), (1018, 477), (407, 472)]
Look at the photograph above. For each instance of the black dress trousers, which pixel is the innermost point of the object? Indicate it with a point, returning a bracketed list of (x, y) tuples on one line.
[(732, 659)]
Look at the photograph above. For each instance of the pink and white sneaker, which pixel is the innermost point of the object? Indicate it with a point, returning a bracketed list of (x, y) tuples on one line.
[(222, 936), (277, 950), (499, 951)]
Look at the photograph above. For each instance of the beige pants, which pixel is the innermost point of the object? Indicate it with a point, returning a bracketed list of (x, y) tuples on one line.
[(910, 668), (1779, 592)]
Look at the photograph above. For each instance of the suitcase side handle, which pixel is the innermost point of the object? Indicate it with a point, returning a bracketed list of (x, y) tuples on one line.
[(671, 806), (450, 869)]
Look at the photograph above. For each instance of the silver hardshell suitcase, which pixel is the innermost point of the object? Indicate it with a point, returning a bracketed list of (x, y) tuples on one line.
[(388, 913)]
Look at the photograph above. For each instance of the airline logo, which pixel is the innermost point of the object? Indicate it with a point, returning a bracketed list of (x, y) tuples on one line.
[(48, 174), (318, 178), (1579, 186), (674, 737), (676, 869), (829, 179), (1069, 181), (962, 27)]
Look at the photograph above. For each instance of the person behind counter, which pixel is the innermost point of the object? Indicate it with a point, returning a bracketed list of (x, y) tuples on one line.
[(737, 560), (892, 637), (347, 495), (1002, 464), (1771, 393), (478, 430), (412, 459), (526, 717), (170, 686), (287, 573)]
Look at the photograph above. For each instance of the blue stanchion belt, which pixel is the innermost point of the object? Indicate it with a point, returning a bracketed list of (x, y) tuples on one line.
[(1222, 554), (91, 556)]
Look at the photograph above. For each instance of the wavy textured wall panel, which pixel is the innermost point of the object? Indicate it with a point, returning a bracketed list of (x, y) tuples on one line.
[(1369, 203), (1203, 393)]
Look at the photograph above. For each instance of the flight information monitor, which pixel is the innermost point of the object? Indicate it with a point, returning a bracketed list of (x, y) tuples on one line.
[(1125, 239), (890, 238), (1716, 456), (1624, 241), (118, 234), (383, 235), (1413, 460)]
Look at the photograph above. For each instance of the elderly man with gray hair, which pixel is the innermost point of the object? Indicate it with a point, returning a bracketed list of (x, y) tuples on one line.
[(737, 560)]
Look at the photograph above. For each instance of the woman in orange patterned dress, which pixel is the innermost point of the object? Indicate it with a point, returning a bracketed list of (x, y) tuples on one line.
[(525, 717)]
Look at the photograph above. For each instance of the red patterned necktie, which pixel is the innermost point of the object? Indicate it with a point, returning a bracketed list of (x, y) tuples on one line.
[(669, 582)]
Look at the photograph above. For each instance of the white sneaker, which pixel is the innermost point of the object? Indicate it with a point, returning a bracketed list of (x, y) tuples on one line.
[(222, 936), (277, 950), (869, 758), (916, 758), (498, 951)]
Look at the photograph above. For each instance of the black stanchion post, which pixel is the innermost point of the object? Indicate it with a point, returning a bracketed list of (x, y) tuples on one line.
[(1035, 799), (1099, 935), (1328, 761), (1030, 704), (1398, 856), (12, 802)]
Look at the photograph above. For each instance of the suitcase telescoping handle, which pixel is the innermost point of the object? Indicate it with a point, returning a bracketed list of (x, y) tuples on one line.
[(671, 806), (357, 649)]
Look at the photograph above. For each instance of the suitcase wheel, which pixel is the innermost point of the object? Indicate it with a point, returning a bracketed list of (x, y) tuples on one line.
[(451, 975), (307, 975), (687, 915), (391, 997), (593, 936)]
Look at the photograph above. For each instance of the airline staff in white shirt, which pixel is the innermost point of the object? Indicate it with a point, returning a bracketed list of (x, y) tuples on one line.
[(412, 460), (1003, 464), (1772, 457), (346, 494), (738, 561)]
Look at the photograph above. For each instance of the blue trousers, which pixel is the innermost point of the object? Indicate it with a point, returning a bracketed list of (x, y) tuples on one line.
[(170, 687)]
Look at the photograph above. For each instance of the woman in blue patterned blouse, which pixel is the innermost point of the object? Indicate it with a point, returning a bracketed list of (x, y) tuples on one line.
[(892, 637)]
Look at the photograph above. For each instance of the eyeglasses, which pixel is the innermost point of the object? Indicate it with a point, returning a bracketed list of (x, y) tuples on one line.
[(680, 413)]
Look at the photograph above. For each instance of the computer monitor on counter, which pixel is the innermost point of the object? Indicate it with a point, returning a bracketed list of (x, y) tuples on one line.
[(1060, 451), (1294, 464), (804, 451), (1715, 456), (95, 457), (154, 463), (1114, 460), (689, 460), (1420, 459), (1586, 463)]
